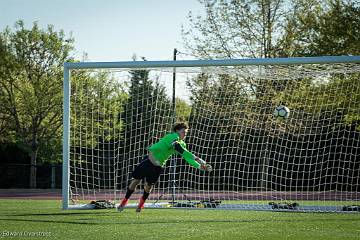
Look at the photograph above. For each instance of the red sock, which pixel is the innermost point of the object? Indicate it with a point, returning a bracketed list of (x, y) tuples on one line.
[(141, 203), (124, 202)]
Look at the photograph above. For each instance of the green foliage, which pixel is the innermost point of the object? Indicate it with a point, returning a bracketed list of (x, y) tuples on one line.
[(31, 82), (97, 102), (147, 113), (329, 28), (273, 28), (317, 28), (276, 29), (335, 98), (219, 102), (235, 29), (183, 110)]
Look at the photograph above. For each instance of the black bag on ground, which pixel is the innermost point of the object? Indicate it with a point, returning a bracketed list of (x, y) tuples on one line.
[(102, 204)]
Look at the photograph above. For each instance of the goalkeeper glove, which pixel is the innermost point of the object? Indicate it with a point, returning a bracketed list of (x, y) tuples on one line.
[(203, 165), (206, 167)]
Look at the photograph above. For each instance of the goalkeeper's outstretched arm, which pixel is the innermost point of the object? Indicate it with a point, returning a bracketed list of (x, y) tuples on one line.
[(191, 158)]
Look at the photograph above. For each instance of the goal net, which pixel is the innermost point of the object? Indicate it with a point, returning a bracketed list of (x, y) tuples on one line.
[(307, 162)]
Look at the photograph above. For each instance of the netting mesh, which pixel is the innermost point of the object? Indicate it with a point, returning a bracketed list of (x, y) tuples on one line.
[(311, 159)]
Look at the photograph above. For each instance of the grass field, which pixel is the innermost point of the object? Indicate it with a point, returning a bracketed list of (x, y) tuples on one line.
[(44, 219)]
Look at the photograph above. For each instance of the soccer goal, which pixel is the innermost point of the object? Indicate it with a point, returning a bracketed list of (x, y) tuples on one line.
[(308, 161)]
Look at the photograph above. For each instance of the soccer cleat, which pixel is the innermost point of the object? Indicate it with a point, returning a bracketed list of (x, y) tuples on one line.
[(123, 203), (140, 205)]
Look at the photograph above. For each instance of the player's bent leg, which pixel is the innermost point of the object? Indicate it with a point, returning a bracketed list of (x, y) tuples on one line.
[(152, 177), (147, 189), (134, 183), (129, 191)]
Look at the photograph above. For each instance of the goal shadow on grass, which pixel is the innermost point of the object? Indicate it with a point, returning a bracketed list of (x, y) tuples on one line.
[(91, 221), (56, 214)]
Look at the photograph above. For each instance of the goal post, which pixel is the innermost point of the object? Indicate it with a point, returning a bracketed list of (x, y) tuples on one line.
[(307, 162)]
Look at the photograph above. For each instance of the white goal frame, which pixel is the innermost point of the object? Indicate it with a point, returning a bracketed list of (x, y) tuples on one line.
[(68, 66)]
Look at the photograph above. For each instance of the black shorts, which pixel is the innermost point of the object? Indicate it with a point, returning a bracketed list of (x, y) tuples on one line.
[(148, 171)]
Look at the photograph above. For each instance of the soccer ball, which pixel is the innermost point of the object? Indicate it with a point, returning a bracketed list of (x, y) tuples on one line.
[(281, 112)]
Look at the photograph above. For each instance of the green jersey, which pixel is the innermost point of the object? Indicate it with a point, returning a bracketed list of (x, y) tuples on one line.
[(165, 147)]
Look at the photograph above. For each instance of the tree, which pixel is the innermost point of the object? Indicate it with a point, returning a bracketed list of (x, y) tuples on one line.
[(237, 29), (97, 129), (330, 28), (288, 28), (266, 28), (273, 28), (147, 113), (31, 82), (97, 102), (183, 110), (234, 29), (5, 126)]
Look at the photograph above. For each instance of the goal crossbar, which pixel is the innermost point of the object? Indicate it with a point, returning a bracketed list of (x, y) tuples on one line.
[(207, 63)]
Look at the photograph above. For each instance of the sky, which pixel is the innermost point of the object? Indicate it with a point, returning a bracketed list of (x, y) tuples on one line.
[(109, 30)]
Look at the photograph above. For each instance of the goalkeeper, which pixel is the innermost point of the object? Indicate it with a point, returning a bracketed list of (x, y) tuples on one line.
[(153, 164)]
